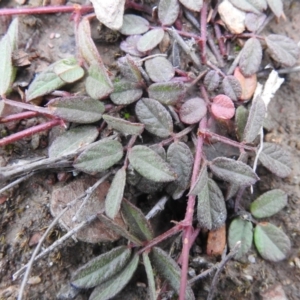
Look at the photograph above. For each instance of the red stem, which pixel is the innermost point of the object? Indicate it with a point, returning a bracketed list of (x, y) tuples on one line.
[(220, 40), (203, 17), (19, 116), (28, 132)]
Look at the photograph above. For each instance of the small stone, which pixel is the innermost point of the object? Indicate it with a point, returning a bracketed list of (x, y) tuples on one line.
[(252, 259), (275, 292), (34, 280), (52, 34), (57, 35), (34, 239)]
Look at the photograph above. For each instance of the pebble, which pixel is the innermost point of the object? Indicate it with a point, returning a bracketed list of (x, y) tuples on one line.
[(275, 292), (57, 35), (34, 280)]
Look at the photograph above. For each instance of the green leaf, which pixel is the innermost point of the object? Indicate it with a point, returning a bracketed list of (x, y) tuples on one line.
[(133, 24), (201, 181), (194, 5), (181, 160), (98, 85), (241, 117), (150, 165), (251, 56), (232, 88), (211, 80), (77, 109), (7, 45), (255, 120), (168, 269), (113, 286), (245, 5), (276, 159), (233, 171), (115, 194), (101, 268), (268, 204), (129, 69), (159, 69), (150, 40), (240, 230), (168, 12), (193, 110), (99, 156), (271, 242), (49, 80), (276, 6), (150, 277), (72, 140), (211, 209), (125, 92), (138, 225), (156, 118), (167, 93), (124, 126)]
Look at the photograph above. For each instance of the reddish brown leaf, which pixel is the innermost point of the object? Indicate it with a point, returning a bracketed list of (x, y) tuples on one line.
[(248, 84), (222, 107), (216, 241)]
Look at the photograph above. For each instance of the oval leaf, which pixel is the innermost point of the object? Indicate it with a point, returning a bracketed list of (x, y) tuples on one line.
[(129, 69), (169, 270), (124, 126), (159, 69), (232, 88), (133, 24), (222, 107), (150, 165), (77, 109), (245, 5), (240, 230), (150, 277), (72, 140), (276, 6), (194, 5), (150, 40), (251, 56), (168, 11), (248, 84), (115, 194), (68, 73), (193, 110), (99, 156), (130, 45), (233, 171), (125, 92), (101, 268), (268, 204), (271, 242), (211, 209), (113, 286), (211, 80), (138, 225), (282, 49), (254, 21), (167, 93), (156, 118), (201, 181), (276, 159), (241, 117)]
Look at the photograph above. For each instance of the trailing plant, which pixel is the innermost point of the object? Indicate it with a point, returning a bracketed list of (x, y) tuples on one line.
[(183, 98)]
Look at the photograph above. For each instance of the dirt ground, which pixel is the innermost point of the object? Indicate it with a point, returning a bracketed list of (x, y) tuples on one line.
[(25, 214)]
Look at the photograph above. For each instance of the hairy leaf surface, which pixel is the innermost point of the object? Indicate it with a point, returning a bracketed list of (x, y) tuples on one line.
[(232, 87), (222, 107), (168, 11), (129, 69), (193, 110), (276, 6), (194, 5), (159, 69), (212, 80), (150, 277), (245, 5), (133, 24), (150, 40), (125, 92), (201, 181)]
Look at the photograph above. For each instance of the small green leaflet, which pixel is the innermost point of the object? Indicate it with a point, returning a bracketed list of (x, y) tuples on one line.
[(201, 181), (271, 242), (99, 156), (125, 92), (193, 110), (150, 165), (159, 69), (150, 40), (101, 268), (133, 24), (268, 204), (232, 88), (194, 5), (245, 5), (129, 69), (168, 11), (150, 277), (241, 117), (276, 6), (212, 80)]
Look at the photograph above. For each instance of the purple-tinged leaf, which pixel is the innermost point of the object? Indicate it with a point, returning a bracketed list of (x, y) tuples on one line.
[(268, 204), (201, 181), (276, 159), (150, 165), (130, 45), (101, 268), (168, 11), (168, 269), (194, 5), (245, 5), (99, 156), (193, 110), (150, 40), (125, 92), (77, 109), (276, 6), (124, 126), (282, 49), (114, 285), (271, 242), (233, 171), (251, 56), (72, 140), (241, 117), (133, 24), (240, 230), (150, 277), (167, 93), (212, 80), (253, 21), (115, 194), (129, 69), (222, 107), (255, 120), (154, 115), (98, 85), (181, 160), (137, 223), (159, 69), (232, 88), (211, 209)]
